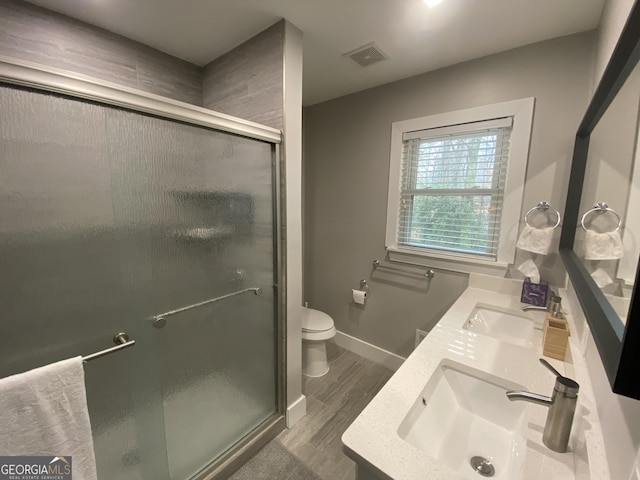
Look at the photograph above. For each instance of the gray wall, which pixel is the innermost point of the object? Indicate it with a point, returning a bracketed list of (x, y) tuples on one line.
[(247, 82), (41, 36), (614, 16), (346, 164)]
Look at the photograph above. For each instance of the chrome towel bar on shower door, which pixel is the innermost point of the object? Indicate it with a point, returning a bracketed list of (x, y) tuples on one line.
[(160, 320), (120, 339)]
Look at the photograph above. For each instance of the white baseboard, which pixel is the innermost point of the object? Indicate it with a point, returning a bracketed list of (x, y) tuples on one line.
[(369, 351), (296, 411)]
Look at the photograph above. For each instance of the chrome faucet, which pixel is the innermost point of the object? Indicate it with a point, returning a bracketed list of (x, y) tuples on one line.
[(554, 305), (526, 308), (562, 407)]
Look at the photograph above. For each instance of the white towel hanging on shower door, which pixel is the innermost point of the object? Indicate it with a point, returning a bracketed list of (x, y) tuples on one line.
[(43, 412)]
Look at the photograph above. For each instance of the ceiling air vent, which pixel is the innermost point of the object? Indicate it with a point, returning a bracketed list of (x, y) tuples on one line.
[(366, 55)]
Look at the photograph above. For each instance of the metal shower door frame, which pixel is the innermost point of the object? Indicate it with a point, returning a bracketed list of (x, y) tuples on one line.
[(18, 72)]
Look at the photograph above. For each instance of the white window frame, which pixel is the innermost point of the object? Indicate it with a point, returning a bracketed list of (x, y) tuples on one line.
[(521, 111)]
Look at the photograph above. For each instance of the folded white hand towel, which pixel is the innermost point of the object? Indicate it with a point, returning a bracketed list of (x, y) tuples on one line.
[(536, 240), (602, 246), (44, 412)]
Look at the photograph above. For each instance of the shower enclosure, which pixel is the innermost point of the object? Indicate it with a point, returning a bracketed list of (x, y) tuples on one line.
[(124, 212)]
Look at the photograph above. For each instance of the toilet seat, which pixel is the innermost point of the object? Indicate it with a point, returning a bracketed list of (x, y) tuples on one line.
[(317, 325), (316, 321), (319, 336)]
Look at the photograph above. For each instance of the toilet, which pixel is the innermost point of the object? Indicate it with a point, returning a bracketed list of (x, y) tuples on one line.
[(317, 328)]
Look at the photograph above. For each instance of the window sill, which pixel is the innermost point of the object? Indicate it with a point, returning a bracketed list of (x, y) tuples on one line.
[(447, 262)]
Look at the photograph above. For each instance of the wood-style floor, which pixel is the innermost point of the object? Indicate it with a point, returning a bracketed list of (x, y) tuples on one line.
[(333, 403)]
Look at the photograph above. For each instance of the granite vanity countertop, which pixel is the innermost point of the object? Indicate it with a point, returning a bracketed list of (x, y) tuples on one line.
[(372, 439)]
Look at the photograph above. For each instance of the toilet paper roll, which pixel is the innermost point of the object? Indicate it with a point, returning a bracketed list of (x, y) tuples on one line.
[(359, 296)]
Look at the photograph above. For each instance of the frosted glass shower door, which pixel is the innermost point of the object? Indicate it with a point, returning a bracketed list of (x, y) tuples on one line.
[(67, 283), (206, 199), (110, 217)]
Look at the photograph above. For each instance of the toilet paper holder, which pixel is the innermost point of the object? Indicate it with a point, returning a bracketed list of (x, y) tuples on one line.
[(360, 296)]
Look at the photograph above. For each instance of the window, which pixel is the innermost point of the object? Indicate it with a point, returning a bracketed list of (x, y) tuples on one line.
[(456, 185)]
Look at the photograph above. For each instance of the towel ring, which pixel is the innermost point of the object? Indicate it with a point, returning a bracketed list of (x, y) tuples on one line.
[(601, 208), (542, 207)]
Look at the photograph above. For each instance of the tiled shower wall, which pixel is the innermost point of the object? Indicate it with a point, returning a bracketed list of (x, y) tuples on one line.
[(247, 81), (38, 35)]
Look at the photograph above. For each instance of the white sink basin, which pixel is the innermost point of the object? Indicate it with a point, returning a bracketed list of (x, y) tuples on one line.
[(505, 325), (463, 413)]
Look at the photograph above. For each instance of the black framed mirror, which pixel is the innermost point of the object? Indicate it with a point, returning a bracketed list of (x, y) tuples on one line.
[(617, 339)]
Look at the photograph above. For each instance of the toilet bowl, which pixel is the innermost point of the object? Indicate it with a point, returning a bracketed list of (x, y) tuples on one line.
[(317, 327)]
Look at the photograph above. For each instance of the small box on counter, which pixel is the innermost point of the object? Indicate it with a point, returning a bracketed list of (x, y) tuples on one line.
[(534, 293)]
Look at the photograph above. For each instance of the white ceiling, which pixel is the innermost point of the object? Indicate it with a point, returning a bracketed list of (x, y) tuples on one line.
[(416, 38)]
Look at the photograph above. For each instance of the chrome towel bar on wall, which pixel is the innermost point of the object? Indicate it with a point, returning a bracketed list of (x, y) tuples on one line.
[(428, 274), (160, 320)]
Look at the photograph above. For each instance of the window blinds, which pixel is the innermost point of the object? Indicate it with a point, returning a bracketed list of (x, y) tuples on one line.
[(452, 187)]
